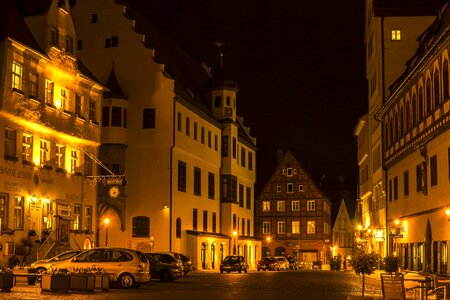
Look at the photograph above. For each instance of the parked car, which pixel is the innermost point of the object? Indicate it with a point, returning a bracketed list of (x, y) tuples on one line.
[(187, 263), (234, 263), (163, 271), (281, 263), (292, 263), (168, 258), (44, 264), (267, 263), (128, 267)]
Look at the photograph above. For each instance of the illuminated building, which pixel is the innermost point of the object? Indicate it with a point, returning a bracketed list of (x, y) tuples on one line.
[(417, 153), (391, 29), (188, 159), (49, 122), (293, 215)]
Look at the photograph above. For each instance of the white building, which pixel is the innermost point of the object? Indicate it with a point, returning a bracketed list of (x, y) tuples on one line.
[(188, 160)]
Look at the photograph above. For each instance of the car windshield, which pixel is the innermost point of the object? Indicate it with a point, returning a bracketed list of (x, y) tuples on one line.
[(267, 259), (231, 259), (64, 256)]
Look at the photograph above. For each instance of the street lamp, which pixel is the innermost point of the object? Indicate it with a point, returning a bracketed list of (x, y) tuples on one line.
[(106, 222), (234, 242)]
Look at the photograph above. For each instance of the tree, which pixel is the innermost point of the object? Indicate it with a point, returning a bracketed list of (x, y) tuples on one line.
[(391, 264), (365, 264)]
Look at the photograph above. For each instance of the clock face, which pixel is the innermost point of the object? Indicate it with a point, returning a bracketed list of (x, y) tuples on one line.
[(114, 192)]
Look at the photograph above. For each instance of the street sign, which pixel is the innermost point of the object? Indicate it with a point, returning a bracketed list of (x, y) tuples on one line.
[(396, 236)]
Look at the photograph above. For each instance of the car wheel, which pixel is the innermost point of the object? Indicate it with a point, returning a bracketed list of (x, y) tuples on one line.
[(164, 275), (245, 270), (126, 280), (39, 271), (240, 271)]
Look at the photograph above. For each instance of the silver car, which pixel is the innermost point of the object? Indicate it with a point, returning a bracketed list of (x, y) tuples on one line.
[(128, 267), (45, 264)]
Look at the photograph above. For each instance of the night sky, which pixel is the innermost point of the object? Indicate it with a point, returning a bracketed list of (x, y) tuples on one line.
[(299, 66)]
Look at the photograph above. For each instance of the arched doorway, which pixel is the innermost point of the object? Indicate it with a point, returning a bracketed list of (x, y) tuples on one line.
[(429, 240), (203, 256), (213, 255)]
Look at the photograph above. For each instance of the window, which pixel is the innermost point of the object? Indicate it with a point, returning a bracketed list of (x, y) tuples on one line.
[(234, 147), (266, 228), (105, 116), (78, 105), (289, 172), (4, 209), (77, 217), (419, 184), (10, 143), (197, 181), (234, 221), (250, 161), (116, 116), (114, 41), (54, 37), (17, 76), (18, 212), (248, 228), (445, 80), (295, 226), (433, 171), (300, 188), (178, 228), (311, 205), (216, 142), (27, 147), (148, 118), (205, 220), (194, 219), (88, 218), (243, 226), (45, 152), (225, 146), (241, 195), (202, 135), (243, 156), (94, 18), (248, 196), (311, 227), (280, 205), (195, 131), (437, 98), (209, 139), (60, 156), (74, 160), (92, 110), (396, 35), (63, 103), (181, 176), (295, 205), (188, 126), (266, 205), (395, 188), (141, 226), (281, 227), (290, 187), (34, 85), (405, 183), (211, 185), (69, 44), (214, 222), (179, 120)]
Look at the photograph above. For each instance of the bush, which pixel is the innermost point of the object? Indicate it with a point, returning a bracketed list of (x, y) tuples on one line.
[(391, 264), (365, 264)]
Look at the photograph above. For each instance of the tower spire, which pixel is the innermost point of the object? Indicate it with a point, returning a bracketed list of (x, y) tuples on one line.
[(220, 45)]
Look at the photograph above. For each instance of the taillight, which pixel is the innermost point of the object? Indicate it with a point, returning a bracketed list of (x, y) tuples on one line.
[(140, 268)]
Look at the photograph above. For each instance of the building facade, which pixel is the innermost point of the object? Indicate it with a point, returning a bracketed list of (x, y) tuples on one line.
[(417, 153), (50, 108), (343, 234), (293, 217), (391, 29), (172, 129)]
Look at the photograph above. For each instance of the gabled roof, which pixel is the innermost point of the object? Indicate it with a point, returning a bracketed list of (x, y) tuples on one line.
[(12, 25)]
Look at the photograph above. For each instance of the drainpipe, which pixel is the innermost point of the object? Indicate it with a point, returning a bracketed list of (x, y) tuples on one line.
[(171, 174)]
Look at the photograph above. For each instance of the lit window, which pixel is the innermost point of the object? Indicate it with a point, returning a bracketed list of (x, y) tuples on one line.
[(280, 205), (311, 227), (266, 205), (266, 228), (45, 152), (92, 110), (88, 218), (18, 212), (77, 217), (49, 86), (281, 227), (17, 76), (311, 205), (295, 205), (63, 102), (4, 208), (74, 160), (60, 156), (396, 35), (295, 226), (27, 147)]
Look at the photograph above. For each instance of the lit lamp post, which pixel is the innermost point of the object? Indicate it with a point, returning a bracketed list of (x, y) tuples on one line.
[(106, 222), (234, 242)]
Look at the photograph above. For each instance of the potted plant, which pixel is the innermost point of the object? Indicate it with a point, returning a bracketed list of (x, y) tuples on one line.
[(365, 264), (391, 264), (101, 278), (82, 280), (6, 279), (55, 280)]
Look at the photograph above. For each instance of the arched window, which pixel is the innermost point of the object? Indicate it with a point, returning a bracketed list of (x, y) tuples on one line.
[(178, 228), (218, 101), (445, 82), (141, 226), (421, 105), (428, 97), (396, 131), (414, 111), (402, 122), (408, 116), (391, 131), (437, 98)]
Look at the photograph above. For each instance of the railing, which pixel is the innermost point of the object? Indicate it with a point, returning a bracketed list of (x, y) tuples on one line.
[(47, 246), (73, 242)]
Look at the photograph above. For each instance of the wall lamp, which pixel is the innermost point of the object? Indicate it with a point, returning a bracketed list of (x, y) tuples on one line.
[(447, 212)]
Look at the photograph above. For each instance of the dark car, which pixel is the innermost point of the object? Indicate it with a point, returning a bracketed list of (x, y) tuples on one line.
[(267, 263), (163, 271), (234, 263), (187, 263), (166, 257)]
